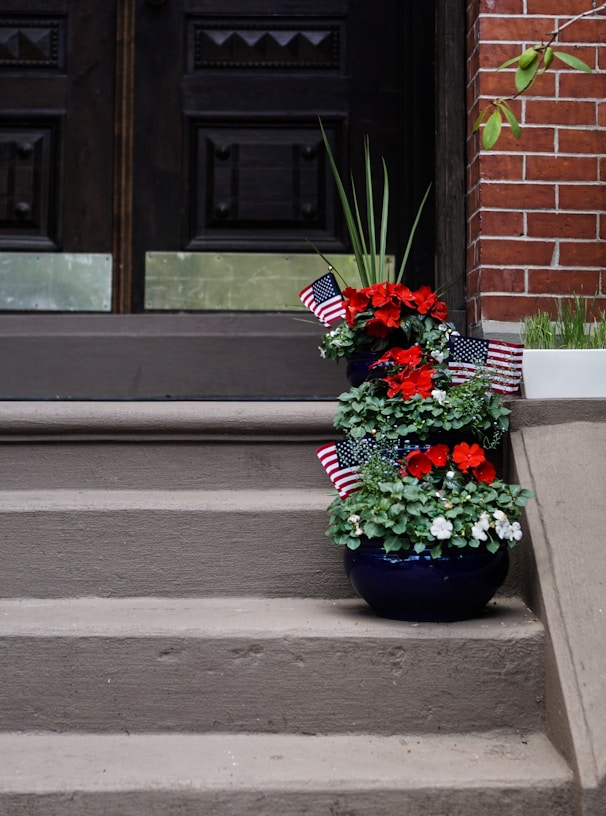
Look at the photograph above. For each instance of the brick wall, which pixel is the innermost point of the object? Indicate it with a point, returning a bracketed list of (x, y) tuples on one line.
[(536, 207)]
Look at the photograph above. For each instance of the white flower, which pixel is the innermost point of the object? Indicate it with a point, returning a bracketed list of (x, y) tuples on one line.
[(438, 356), (478, 532), (354, 519), (439, 396), (499, 515), (450, 474), (511, 532), (441, 528), (484, 521)]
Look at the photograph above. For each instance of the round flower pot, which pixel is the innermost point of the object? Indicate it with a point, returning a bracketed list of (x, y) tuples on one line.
[(408, 586), (358, 367)]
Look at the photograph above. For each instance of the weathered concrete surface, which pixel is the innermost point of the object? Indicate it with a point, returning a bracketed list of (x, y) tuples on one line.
[(264, 665), (168, 542), (564, 462), (285, 775)]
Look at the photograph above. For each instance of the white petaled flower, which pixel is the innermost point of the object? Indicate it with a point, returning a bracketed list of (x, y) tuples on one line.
[(438, 395), (516, 531), (479, 532), (504, 530), (438, 356), (441, 528), (450, 474), (499, 515), (354, 519), (484, 521)]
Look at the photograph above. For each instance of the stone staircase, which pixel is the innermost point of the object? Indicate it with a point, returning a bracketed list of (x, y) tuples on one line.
[(177, 636)]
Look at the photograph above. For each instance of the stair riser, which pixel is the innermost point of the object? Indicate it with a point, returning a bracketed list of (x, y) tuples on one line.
[(75, 553), (368, 800), (281, 684), (162, 465)]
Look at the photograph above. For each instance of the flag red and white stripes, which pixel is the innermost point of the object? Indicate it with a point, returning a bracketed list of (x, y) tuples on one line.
[(323, 297), (502, 361), (341, 460)]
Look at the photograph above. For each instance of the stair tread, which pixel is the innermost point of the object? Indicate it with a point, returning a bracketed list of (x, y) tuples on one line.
[(224, 617), (45, 763), (62, 499)]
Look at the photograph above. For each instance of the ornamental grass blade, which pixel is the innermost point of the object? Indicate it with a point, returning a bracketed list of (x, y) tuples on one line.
[(355, 235), (412, 235), (370, 213), (384, 219)]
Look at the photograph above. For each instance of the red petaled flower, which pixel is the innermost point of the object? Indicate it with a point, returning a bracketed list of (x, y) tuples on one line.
[(404, 357), (408, 382), (468, 456), (426, 302), (438, 454), (418, 464), (485, 472)]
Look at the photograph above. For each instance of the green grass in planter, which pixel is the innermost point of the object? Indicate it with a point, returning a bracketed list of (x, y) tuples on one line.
[(572, 328)]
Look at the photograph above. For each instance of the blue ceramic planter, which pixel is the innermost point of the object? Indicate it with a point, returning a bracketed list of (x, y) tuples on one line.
[(358, 367), (416, 587)]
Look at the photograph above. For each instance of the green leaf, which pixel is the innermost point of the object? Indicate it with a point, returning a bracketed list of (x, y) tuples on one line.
[(480, 119), (509, 62), (513, 122), (573, 62), (492, 130), (525, 77)]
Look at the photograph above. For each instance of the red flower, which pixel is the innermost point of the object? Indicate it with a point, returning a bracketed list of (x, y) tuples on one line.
[(439, 311), (485, 472), (408, 382), (403, 357), (418, 464), (438, 454), (425, 299), (356, 301), (468, 456), (389, 315)]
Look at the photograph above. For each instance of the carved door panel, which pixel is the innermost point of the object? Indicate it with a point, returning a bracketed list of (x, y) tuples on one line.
[(227, 150), (57, 62)]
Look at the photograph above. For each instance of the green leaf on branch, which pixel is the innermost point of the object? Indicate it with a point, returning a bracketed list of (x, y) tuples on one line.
[(480, 119), (525, 77), (508, 62), (573, 62), (510, 116), (492, 130)]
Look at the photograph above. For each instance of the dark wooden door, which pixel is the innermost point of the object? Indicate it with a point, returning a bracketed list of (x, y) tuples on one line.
[(57, 62), (227, 149)]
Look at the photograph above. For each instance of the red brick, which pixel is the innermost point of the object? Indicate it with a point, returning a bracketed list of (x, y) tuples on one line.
[(502, 7), (496, 54), (583, 253), (582, 197), (509, 308), (526, 196), (581, 140), (517, 29), (501, 222), (561, 168), (473, 283), (562, 225), (562, 281), (566, 8), (561, 112), (532, 139), (506, 252), (497, 167), (602, 114), (591, 29), (582, 86), (503, 280)]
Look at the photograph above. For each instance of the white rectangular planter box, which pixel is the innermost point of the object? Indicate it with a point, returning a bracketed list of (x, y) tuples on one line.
[(564, 373)]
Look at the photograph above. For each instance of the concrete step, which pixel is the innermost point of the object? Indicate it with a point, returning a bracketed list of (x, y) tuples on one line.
[(503, 774), (190, 445), (264, 665), (178, 543)]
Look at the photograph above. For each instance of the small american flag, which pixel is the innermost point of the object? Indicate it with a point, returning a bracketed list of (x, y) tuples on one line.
[(500, 360), (323, 297), (342, 460)]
